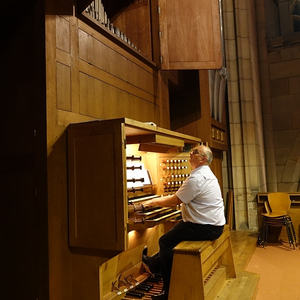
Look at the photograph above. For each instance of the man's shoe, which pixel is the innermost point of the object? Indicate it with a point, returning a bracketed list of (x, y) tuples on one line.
[(145, 251), (161, 296), (153, 262), (146, 259)]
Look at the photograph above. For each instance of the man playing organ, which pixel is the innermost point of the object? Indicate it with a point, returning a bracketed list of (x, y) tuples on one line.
[(202, 213)]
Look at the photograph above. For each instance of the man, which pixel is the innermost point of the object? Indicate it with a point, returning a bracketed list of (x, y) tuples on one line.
[(202, 212)]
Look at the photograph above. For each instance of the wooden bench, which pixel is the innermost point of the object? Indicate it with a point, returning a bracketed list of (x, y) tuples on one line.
[(200, 268)]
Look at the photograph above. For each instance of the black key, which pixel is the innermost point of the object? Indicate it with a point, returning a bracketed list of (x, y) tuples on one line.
[(135, 294), (150, 286), (142, 288)]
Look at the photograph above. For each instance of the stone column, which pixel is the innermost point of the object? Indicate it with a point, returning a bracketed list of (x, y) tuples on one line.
[(245, 120), (266, 96)]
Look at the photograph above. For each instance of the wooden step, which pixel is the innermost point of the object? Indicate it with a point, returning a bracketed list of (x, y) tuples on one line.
[(243, 287), (215, 283)]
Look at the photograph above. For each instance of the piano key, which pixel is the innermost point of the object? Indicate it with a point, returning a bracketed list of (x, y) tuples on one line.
[(135, 294), (140, 199)]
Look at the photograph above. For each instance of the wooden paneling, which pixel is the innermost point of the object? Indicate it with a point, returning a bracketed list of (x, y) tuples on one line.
[(216, 167), (88, 102), (155, 32), (98, 54), (63, 87), (102, 100), (162, 96), (103, 80), (135, 21), (85, 46), (95, 160), (101, 72), (190, 34), (63, 34), (155, 138), (114, 81)]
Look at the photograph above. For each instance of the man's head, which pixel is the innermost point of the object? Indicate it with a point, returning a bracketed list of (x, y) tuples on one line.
[(200, 155)]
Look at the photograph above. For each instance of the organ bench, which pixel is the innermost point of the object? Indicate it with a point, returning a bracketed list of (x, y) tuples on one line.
[(200, 268)]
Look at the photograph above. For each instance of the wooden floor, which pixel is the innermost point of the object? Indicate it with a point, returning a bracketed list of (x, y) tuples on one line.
[(244, 286)]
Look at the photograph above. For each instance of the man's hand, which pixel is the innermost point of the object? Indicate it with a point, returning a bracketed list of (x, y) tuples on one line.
[(149, 203)]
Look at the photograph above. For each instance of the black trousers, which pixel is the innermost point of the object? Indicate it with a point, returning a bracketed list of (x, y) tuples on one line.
[(183, 231)]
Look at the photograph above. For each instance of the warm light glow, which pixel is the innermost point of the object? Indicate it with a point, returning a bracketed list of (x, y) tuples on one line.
[(148, 230), (132, 234)]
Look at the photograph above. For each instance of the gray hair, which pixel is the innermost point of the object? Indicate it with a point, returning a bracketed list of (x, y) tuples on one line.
[(207, 153)]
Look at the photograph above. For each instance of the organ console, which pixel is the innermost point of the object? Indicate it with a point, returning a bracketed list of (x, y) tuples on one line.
[(113, 167)]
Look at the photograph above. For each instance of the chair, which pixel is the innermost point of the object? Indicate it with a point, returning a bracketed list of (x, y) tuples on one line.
[(276, 215)]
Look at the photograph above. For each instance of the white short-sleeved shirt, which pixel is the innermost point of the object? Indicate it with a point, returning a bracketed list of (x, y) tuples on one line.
[(202, 198)]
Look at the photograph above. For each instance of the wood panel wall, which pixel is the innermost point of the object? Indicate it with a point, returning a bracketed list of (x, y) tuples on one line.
[(88, 77), (216, 167), (135, 21), (190, 34), (98, 79)]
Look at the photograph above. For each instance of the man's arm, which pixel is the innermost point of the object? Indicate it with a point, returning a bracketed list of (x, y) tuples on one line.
[(166, 201)]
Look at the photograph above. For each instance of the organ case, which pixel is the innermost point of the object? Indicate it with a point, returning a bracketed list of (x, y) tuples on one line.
[(101, 156)]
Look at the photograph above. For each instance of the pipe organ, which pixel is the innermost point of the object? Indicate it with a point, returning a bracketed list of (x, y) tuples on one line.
[(113, 167), (96, 12)]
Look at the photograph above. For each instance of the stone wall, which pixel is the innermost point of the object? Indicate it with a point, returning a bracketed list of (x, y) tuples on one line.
[(284, 70), (279, 61)]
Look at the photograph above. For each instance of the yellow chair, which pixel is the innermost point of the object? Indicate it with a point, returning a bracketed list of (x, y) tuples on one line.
[(276, 214)]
